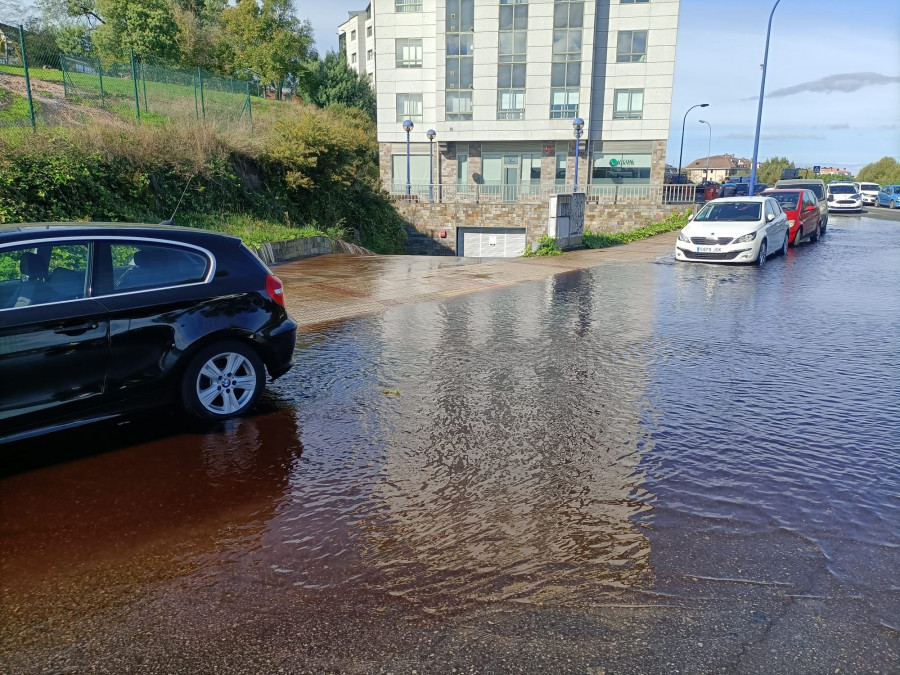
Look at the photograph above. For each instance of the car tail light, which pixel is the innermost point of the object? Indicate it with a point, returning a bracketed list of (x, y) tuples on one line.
[(791, 223), (275, 289)]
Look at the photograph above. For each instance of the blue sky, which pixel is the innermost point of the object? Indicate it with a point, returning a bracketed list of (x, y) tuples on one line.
[(832, 82)]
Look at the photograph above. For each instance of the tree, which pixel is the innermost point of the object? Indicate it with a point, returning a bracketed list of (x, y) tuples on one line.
[(886, 171), (267, 41), (199, 33), (332, 82), (147, 26), (769, 171)]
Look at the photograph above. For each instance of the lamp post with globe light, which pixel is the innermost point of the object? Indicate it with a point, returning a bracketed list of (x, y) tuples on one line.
[(681, 152), (578, 129), (431, 133), (407, 127)]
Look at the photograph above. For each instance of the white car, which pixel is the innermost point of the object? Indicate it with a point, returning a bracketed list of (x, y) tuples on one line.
[(843, 197), (869, 193), (734, 230)]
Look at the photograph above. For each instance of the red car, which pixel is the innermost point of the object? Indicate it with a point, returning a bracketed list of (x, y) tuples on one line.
[(802, 209)]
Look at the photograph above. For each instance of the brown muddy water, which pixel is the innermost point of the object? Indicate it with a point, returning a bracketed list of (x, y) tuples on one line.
[(635, 468)]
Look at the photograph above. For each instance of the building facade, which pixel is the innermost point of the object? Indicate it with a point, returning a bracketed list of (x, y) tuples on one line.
[(717, 168), (356, 42)]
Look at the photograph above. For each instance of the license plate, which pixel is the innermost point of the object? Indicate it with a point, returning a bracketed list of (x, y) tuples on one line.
[(709, 249)]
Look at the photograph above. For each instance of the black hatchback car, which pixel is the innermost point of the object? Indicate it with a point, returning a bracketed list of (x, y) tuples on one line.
[(98, 320)]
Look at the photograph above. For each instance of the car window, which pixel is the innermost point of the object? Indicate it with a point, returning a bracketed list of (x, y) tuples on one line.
[(43, 273), (770, 211), (842, 189), (788, 200), (740, 211), (141, 266)]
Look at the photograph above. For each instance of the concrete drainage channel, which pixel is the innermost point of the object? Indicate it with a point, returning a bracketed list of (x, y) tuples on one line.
[(277, 252)]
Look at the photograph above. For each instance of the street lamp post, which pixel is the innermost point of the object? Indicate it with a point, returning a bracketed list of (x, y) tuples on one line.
[(708, 147), (681, 152), (762, 90), (407, 127), (431, 134), (578, 126)]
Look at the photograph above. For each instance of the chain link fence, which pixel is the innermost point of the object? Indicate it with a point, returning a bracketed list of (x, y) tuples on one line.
[(39, 85)]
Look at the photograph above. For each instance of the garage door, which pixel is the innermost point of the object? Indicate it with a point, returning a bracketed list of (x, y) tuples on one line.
[(490, 242)]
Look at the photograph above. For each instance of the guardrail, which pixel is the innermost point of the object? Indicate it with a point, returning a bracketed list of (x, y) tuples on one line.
[(536, 194)]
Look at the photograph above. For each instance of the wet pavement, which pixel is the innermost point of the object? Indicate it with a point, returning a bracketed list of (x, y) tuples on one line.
[(599, 463)]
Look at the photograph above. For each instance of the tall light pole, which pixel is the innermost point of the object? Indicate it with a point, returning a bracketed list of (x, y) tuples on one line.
[(431, 134), (578, 129), (407, 127), (708, 147), (681, 152), (762, 90)]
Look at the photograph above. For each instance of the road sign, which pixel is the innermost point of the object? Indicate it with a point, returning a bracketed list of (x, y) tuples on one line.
[(816, 169)]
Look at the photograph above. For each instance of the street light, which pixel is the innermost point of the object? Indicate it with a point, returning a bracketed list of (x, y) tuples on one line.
[(681, 152), (431, 134), (407, 127), (578, 126), (708, 147), (762, 89)]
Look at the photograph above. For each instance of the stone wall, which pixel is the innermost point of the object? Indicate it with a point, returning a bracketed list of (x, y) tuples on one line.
[(431, 219), (282, 251)]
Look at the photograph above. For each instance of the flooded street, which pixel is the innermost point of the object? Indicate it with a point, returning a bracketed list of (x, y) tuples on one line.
[(641, 467)]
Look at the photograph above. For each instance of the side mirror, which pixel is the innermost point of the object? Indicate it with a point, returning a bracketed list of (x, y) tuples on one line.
[(690, 217), (770, 217), (811, 207)]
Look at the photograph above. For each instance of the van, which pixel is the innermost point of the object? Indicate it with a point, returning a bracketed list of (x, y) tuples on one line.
[(818, 189)]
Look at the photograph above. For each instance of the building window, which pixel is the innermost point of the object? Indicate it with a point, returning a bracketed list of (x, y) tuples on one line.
[(632, 2), (459, 45), (342, 45), (459, 72), (352, 36), (563, 103), (460, 16), (370, 54), (353, 57), (608, 168), (368, 31), (568, 15), (567, 45), (409, 53), (513, 17), (408, 6), (459, 105), (629, 104), (409, 107), (632, 46), (510, 104)]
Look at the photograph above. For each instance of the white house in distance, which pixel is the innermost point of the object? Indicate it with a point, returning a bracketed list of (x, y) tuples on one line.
[(719, 167), (356, 41), (501, 82)]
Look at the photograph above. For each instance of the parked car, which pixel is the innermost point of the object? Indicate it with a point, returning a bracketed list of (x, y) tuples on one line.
[(843, 197), (97, 320), (734, 230), (889, 196), (817, 186), (869, 192), (802, 210)]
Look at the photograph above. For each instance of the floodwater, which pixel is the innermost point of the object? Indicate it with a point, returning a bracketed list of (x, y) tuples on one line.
[(635, 468)]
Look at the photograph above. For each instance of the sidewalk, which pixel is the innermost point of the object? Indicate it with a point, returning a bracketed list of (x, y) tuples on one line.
[(340, 286)]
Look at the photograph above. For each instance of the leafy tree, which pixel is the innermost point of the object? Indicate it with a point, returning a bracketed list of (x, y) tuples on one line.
[(266, 40), (769, 171), (886, 171), (200, 32), (331, 81), (147, 26)]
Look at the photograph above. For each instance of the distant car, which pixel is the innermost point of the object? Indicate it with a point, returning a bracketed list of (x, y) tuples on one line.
[(817, 185), (869, 193), (99, 320), (743, 189), (843, 197), (889, 196), (734, 230), (802, 210)]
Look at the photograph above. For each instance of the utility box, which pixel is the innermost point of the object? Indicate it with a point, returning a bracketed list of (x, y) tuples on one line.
[(566, 223)]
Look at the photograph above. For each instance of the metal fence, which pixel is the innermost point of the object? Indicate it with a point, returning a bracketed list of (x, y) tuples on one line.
[(35, 76), (536, 194)]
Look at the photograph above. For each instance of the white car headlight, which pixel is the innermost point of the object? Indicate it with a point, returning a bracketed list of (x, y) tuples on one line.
[(745, 238), (683, 237)]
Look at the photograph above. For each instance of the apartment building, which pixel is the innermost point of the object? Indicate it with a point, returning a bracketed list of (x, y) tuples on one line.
[(356, 41), (501, 82)]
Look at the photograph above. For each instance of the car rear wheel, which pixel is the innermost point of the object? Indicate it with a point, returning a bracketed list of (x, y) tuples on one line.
[(891, 205), (761, 258), (222, 380), (784, 244)]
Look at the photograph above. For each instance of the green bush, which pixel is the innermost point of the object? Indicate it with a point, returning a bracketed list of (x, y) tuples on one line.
[(603, 239), (545, 246)]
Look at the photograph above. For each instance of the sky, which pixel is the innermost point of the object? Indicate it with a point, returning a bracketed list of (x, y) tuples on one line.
[(832, 94)]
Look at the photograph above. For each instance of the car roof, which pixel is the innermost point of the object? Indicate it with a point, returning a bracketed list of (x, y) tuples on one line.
[(799, 181), (14, 232), (782, 190), (740, 199)]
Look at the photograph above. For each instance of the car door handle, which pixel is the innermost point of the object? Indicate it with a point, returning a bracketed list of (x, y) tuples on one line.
[(78, 329)]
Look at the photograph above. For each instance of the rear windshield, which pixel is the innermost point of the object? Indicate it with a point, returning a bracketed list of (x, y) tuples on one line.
[(843, 189), (788, 200), (816, 188), (869, 186), (740, 211)]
